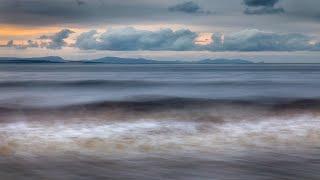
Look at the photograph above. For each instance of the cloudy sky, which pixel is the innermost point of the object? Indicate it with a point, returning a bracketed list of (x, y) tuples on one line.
[(259, 30)]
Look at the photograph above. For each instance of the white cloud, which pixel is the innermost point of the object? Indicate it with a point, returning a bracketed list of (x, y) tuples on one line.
[(129, 39)]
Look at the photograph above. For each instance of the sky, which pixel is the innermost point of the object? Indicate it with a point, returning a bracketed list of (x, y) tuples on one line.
[(258, 30)]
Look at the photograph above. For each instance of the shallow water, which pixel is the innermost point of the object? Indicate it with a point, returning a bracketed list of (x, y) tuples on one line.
[(159, 121)]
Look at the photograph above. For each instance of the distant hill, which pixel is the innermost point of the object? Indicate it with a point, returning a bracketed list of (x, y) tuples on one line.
[(224, 61), (48, 59), (117, 60)]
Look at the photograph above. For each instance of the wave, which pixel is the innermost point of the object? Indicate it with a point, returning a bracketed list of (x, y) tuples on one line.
[(183, 109), (163, 102), (135, 83), (155, 135), (160, 125), (80, 83)]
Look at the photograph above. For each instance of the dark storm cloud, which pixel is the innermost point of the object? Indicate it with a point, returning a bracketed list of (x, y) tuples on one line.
[(264, 10), (98, 12), (57, 12), (31, 12), (57, 41), (260, 7), (188, 7), (80, 2), (255, 3), (302, 11), (130, 39), (191, 13)]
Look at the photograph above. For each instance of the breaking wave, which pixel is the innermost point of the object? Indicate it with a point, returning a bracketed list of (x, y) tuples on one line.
[(137, 83), (160, 125)]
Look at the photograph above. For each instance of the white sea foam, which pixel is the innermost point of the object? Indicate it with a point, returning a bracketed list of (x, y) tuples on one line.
[(158, 136)]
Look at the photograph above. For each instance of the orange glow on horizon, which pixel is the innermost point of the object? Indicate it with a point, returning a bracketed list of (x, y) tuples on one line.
[(204, 39), (20, 34), (7, 30)]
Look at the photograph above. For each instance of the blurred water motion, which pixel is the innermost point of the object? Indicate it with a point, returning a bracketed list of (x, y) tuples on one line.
[(159, 121)]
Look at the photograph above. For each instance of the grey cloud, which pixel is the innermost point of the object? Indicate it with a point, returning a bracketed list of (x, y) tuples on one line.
[(129, 39), (255, 40), (84, 12), (188, 7), (101, 13), (255, 3), (80, 2), (264, 10), (57, 41), (259, 7), (10, 43), (87, 40), (305, 10), (44, 37), (32, 12), (30, 44)]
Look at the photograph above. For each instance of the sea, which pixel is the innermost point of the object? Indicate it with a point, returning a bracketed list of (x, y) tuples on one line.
[(160, 121)]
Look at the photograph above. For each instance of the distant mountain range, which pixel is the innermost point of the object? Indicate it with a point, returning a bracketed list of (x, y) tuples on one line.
[(48, 59), (224, 61), (117, 60)]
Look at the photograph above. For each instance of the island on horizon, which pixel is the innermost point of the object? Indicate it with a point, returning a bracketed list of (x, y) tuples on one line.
[(117, 60)]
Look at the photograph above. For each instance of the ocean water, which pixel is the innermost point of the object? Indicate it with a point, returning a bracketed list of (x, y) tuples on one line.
[(95, 121)]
